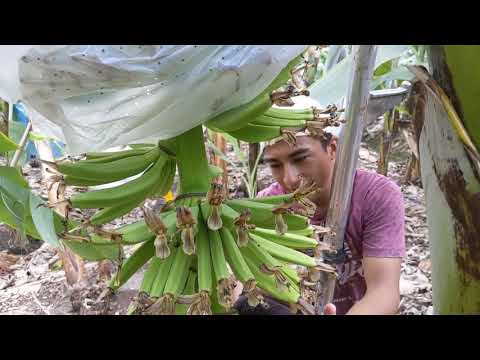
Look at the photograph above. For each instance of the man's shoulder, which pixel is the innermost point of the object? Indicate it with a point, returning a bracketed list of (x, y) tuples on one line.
[(369, 181), (374, 192), (271, 190)]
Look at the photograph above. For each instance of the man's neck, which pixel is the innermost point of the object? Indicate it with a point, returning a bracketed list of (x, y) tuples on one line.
[(322, 206)]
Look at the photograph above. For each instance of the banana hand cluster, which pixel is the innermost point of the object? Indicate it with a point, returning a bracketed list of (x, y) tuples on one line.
[(157, 169), (198, 250), (285, 122)]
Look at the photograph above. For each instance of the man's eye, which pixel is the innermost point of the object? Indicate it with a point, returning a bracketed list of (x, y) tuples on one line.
[(300, 158), (274, 166)]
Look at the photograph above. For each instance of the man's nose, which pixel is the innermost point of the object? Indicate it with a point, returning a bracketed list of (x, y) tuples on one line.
[(291, 178)]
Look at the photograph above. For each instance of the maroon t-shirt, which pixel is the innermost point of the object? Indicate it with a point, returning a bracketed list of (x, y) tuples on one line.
[(375, 228)]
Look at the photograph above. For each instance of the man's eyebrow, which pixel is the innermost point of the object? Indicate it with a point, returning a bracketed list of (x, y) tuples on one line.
[(270, 160), (295, 153), (299, 151)]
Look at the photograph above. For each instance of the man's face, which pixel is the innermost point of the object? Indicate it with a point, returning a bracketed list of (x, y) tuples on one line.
[(307, 158)]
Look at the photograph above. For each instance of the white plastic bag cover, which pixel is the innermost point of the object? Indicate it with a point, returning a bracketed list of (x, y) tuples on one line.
[(108, 95), (9, 84)]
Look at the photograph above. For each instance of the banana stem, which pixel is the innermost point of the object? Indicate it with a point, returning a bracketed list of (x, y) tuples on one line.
[(192, 162)]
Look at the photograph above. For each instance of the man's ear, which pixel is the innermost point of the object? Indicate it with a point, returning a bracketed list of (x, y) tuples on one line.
[(332, 147)]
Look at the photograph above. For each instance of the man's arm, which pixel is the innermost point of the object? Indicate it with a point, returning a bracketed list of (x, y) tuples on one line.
[(383, 248), (382, 297)]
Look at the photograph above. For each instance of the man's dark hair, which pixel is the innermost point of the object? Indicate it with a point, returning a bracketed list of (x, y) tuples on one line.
[(325, 139)]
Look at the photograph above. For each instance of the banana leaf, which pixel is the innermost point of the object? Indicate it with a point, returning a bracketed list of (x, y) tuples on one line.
[(333, 86), (6, 144)]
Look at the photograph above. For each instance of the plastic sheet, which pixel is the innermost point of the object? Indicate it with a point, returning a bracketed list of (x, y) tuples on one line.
[(108, 95)]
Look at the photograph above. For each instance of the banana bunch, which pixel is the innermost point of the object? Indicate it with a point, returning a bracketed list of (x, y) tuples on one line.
[(201, 244), (239, 116), (258, 121), (155, 165), (274, 123), (284, 123), (198, 247)]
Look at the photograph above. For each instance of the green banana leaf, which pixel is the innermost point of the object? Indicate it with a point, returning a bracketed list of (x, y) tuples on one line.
[(6, 144), (18, 208), (463, 63), (333, 86), (14, 201), (399, 73), (44, 220), (335, 54)]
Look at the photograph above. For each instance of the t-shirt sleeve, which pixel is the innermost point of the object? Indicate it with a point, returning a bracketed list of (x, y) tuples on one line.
[(273, 189), (384, 221)]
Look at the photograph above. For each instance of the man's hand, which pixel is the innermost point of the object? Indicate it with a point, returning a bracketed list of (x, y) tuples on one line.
[(330, 309)]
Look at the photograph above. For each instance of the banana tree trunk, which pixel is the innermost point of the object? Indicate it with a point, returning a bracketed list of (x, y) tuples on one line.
[(451, 181)]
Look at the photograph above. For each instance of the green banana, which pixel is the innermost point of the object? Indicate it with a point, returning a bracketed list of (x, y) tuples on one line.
[(139, 231), (262, 215), (254, 133), (224, 283), (217, 308), (236, 118), (261, 253), (284, 253), (289, 113), (139, 258), (234, 257), (140, 187), (267, 282), (105, 154), (218, 256), (181, 309), (166, 183), (112, 156), (150, 275), (272, 265), (112, 171), (273, 200), (273, 121), (292, 274), (204, 260), (288, 239), (76, 181), (111, 213), (163, 274), (308, 231), (178, 273)]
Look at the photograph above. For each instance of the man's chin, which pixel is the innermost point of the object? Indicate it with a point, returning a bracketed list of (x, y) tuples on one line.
[(315, 198)]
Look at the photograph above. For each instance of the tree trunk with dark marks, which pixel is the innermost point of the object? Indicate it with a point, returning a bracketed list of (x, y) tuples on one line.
[(387, 137), (416, 107), (452, 191)]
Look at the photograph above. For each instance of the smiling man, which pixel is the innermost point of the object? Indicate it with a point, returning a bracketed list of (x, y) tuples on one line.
[(374, 241)]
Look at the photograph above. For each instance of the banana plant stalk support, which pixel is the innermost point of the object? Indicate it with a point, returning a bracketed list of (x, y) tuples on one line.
[(345, 165), (21, 145)]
